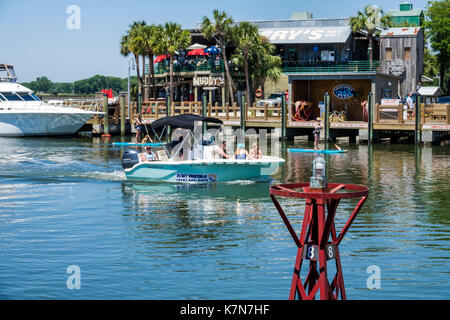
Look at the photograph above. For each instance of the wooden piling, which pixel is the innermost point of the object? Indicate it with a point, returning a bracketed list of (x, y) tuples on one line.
[(326, 101), (105, 116), (370, 101), (122, 114), (283, 116), (204, 110), (243, 111), (418, 127)]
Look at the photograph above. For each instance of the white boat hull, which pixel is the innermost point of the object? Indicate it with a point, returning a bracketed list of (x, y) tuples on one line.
[(42, 123), (204, 171)]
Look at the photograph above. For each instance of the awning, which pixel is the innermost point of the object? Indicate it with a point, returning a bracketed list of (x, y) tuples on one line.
[(306, 35), (184, 121)]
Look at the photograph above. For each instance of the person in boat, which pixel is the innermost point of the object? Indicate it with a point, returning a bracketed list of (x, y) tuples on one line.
[(241, 153), (316, 134), (215, 152), (255, 152), (138, 126), (148, 155)]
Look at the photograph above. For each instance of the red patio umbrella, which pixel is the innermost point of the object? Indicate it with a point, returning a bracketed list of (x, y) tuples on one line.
[(161, 58), (197, 52)]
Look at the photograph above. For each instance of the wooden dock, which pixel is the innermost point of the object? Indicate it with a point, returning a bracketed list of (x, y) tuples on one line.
[(388, 121)]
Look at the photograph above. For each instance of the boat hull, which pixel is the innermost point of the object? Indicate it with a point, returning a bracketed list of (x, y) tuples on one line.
[(17, 124), (203, 171)]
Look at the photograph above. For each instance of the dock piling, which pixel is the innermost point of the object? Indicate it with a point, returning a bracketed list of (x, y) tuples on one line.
[(105, 116), (283, 116), (243, 111), (122, 114), (326, 101), (370, 117), (418, 128)]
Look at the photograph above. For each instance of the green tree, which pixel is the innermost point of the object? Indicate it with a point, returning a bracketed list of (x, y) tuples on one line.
[(41, 84), (370, 21), (169, 39), (133, 42), (437, 24), (220, 29), (150, 40), (263, 64), (246, 38)]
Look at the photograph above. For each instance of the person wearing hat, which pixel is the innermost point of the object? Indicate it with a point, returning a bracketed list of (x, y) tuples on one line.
[(148, 155), (241, 153)]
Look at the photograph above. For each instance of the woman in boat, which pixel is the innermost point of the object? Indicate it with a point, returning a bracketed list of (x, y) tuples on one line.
[(255, 152), (138, 127), (241, 153), (148, 155), (316, 134)]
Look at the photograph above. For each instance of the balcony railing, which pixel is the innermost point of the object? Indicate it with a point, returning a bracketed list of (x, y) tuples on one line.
[(192, 66), (333, 67)]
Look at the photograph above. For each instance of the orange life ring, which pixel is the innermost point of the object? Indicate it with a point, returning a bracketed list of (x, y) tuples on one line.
[(258, 93)]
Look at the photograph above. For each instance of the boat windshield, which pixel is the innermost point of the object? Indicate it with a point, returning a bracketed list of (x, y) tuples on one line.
[(11, 96), (35, 97), (26, 96)]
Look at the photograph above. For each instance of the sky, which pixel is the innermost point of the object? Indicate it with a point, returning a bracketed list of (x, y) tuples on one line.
[(45, 38)]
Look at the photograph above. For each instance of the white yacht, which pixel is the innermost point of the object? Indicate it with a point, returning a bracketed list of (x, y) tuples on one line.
[(23, 114)]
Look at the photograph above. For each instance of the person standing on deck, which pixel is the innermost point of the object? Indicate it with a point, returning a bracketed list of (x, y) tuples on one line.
[(316, 134), (138, 127)]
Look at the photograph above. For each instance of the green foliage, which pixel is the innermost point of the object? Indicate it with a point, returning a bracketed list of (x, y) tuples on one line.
[(86, 86), (262, 61), (437, 25)]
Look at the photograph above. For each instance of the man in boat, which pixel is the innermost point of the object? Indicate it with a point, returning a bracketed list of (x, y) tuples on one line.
[(148, 155), (215, 152)]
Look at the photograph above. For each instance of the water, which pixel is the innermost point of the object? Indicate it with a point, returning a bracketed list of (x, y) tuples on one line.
[(64, 202)]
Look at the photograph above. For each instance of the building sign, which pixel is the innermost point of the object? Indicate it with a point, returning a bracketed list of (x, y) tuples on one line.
[(306, 35), (397, 68), (209, 81), (343, 91), (390, 102)]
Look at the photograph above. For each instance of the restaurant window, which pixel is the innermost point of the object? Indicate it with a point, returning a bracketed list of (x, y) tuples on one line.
[(388, 55), (407, 53)]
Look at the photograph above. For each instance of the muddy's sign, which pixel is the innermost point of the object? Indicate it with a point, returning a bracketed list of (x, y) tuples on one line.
[(209, 81)]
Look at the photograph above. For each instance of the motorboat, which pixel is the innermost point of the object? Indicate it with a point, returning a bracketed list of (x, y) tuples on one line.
[(22, 113), (198, 164)]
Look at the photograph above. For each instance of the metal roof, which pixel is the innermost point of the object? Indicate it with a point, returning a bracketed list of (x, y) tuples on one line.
[(430, 91), (405, 31)]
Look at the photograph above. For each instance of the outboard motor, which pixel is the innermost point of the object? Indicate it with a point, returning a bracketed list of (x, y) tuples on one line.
[(130, 158)]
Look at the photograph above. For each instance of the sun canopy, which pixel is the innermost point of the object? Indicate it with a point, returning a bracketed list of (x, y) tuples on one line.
[(184, 121)]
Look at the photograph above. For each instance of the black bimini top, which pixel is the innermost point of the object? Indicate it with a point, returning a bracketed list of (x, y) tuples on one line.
[(184, 121)]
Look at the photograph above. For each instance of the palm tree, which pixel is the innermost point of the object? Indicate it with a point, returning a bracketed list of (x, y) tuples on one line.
[(168, 40), (246, 37), (266, 65), (133, 42), (220, 31), (370, 21), (150, 35)]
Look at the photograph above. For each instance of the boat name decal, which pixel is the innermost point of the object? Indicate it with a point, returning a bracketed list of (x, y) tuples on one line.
[(187, 177)]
